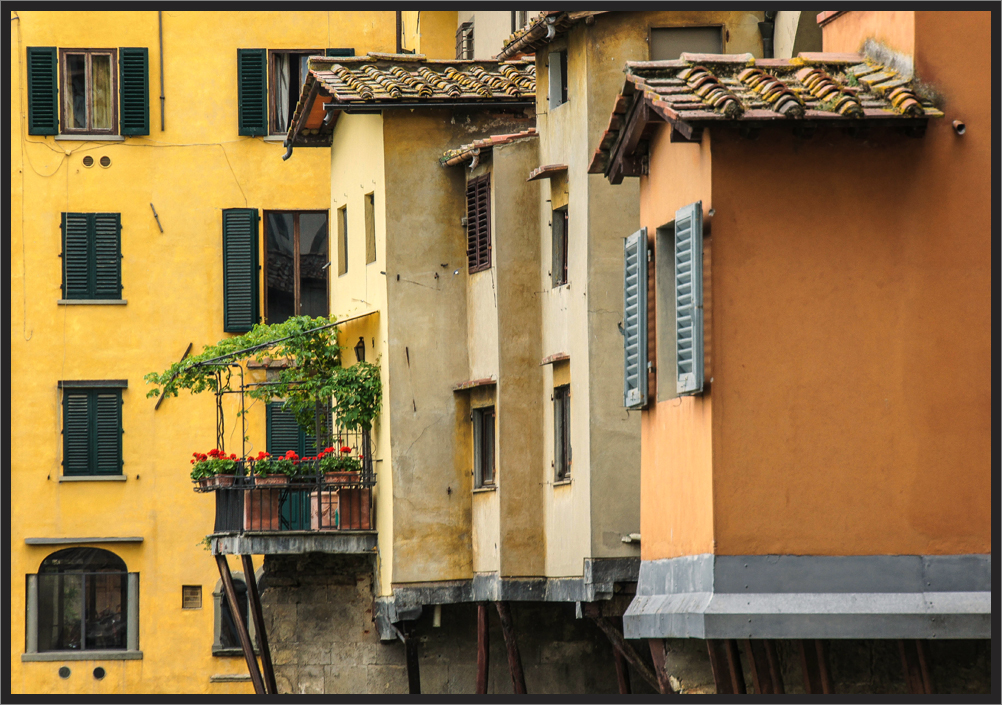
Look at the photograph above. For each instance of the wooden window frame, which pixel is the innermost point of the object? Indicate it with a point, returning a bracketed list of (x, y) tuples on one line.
[(464, 41), (476, 260), (560, 278), (297, 302), (273, 84), (478, 417), (64, 127), (342, 240), (562, 433)]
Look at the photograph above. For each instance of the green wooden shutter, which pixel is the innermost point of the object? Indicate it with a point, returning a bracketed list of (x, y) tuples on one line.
[(134, 89), (43, 106), (252, 91), (689, 298), (77, 269), (340, 52), (76, 433), (284, 433), (635, 321), (107, 237), (107, 416), (240, 305)]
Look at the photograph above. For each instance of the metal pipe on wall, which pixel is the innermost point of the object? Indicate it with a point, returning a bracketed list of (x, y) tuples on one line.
[(160, 27)]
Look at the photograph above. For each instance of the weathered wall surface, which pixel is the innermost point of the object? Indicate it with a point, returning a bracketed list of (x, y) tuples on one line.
[(172, 282), (318, 611), (852, 401), (894, 28)]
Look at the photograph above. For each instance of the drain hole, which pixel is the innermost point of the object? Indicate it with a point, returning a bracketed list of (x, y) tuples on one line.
[(64, 672)]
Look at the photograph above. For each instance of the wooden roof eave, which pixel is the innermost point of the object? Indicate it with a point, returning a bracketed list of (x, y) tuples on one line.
[(622, 158)]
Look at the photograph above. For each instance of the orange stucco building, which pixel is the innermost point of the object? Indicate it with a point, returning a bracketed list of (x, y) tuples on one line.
[(828, 475)]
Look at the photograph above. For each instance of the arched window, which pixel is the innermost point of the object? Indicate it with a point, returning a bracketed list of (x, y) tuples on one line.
[(82, 601)]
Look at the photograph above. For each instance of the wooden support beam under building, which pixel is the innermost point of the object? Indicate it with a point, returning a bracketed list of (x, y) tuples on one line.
[(241, 625), (623, 648), (622, 672), (915, 664), (659, 657), (766, 674), (483, 648), (254, 600), (814, 662), (725, 662), (413, 667), (514, 659)]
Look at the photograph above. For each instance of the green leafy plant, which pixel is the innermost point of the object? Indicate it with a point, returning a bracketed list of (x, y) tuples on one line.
[(213, 463), (339, 460), (288, 464), (312, 379)]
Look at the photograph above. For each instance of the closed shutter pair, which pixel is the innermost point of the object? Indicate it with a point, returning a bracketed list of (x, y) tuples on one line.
[(43, 91), (92, 432), (688, 305), (92, 259)]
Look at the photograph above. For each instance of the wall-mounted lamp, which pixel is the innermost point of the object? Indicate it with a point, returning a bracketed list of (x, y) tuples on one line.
[(360, 349)]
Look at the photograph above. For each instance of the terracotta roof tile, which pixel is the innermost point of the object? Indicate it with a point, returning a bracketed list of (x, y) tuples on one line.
[(468, 151), (386, 79), (699, 90)]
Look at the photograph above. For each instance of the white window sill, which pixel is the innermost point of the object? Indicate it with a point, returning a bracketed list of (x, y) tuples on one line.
[(89, 138), (93, 478), (95, 655), (275, 138), (562, 483), (92, 302), (229, 677), (486, 488)]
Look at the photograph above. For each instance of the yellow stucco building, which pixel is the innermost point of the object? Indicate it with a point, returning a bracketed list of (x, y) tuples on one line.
[(132, 133)]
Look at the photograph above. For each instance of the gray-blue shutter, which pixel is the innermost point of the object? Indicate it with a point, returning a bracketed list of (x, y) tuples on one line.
[(635, 320), (689, 298)]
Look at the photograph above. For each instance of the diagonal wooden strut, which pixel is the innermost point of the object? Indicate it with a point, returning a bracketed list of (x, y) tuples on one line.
[(258, 615), (766, 676), (241, 625), (659, 657), (514, 659), (622, 672), (593, 612)]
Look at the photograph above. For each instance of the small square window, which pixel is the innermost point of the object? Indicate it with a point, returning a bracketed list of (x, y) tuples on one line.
[(464, 41), (191, 597)]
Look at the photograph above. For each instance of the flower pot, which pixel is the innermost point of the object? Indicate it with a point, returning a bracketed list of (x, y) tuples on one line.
[(341, 476), (261, 510), (205, 482), (222, 481), (354, 508), (323, 510), (271, 480)]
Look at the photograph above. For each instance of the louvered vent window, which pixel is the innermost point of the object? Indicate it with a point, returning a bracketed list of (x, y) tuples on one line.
[(191, 597), (92, 428), (689, 298), (478, 223), (635, 321), (92, 260)]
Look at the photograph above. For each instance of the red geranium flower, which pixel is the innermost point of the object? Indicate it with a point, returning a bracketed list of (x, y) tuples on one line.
[(233, 456), (345, 449)]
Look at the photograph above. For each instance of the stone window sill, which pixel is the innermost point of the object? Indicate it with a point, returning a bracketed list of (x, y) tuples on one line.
[(92, 302), (562, 483), (275, 138), (217, 651), (94, 655), (93, 478), (229, 677), (485, 488), (89, 138)]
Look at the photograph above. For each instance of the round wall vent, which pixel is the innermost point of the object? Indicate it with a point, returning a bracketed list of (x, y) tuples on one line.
[(99, 673), (64, 672), (88, 161), (105, 162)]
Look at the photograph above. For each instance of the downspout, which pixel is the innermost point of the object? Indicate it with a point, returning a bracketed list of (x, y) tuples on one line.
[(160, 23), (400, 30), (768, 30)]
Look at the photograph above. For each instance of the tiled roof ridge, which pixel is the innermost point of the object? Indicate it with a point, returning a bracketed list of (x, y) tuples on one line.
[(373, 57), (545, 27), (467, 152), (699, 90)]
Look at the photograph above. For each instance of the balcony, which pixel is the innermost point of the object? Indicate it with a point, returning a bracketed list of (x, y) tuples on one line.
[(310, 512)]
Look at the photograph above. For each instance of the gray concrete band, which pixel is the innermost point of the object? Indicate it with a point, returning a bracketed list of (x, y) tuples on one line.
[(787, 597)]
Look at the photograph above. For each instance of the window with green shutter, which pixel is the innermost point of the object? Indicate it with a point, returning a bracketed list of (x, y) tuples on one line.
[(285, 433), (635, 320), (92, 427), (134, 87), (92, 256), (689, 298), (252, 92), (43, 105), (240, 263)]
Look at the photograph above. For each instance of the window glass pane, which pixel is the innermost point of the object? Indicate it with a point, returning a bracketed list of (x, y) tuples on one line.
[(282, 80), (281, 267), (105, 613), (76, 96), (59, 604), (314, 254), (304, 69), (100, 72), (90, 560)]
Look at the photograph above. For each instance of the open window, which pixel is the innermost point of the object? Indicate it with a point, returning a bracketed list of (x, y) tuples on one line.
[(559, 234), (562, 432), (287, 71), (483, 447), (557, 77), (296, 261)]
